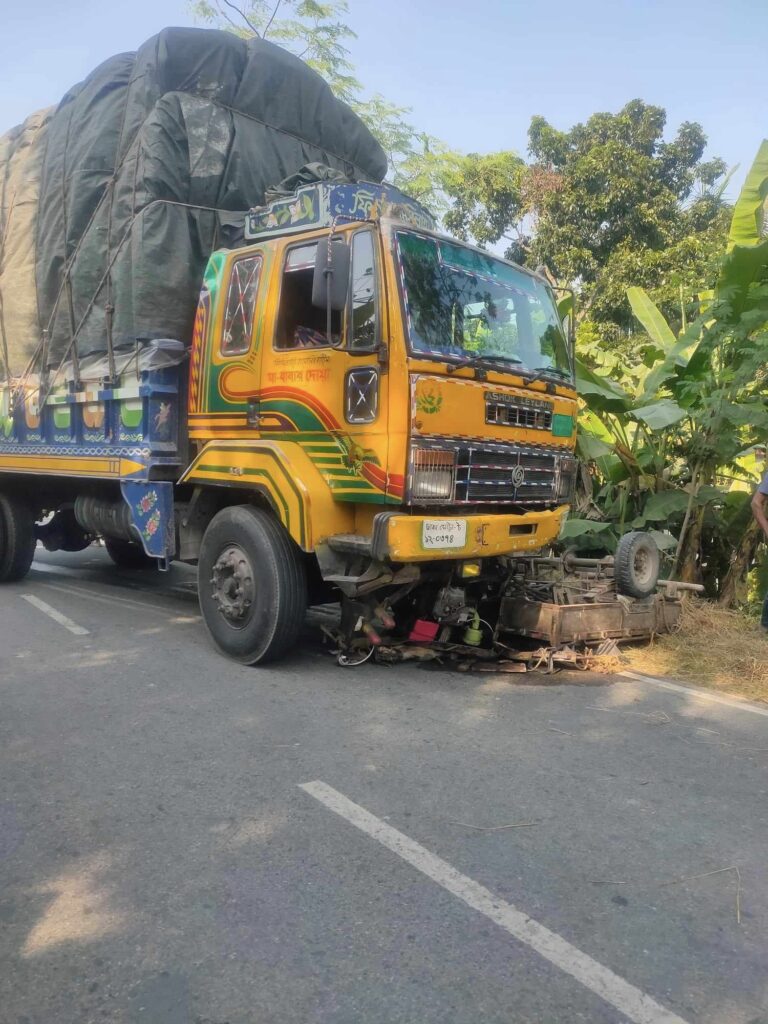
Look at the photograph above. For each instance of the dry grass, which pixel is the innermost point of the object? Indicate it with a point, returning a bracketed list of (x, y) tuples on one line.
[(605, 664), (723, 650)]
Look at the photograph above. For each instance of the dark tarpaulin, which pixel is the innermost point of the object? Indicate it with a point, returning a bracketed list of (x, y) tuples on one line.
[(142, 155)]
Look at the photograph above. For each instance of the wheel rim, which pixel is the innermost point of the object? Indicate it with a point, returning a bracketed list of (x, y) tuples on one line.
[(643, 566), (233, 587)]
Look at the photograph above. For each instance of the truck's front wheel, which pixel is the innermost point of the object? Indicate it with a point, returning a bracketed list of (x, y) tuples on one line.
[(252, 585), (17, 539)]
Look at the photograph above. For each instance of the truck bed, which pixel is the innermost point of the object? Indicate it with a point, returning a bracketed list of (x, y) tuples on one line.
[(132, 427)]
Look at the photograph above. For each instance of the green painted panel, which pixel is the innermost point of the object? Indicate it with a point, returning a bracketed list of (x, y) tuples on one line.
[(131, 411), (62, 417), (562, 425)]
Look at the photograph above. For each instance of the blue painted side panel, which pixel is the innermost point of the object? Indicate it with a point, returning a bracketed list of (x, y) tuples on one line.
[(151, 506), (137, 418)]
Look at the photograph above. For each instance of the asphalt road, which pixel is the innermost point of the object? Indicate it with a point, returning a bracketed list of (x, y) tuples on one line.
[(160, 862)]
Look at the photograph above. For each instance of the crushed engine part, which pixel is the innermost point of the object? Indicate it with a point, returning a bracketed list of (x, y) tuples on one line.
[(451, 606)]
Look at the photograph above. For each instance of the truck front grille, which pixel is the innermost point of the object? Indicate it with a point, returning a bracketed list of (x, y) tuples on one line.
[(527, 476), (487, 474)]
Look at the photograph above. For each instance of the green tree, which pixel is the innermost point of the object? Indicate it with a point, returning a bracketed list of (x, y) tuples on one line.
[(605, 205), (669, 440), (487, 196)]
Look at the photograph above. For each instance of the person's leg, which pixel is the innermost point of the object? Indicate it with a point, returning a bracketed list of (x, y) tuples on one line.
[(764, 620)]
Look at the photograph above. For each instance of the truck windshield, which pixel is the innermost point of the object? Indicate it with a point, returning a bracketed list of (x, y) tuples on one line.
[(463, 304)]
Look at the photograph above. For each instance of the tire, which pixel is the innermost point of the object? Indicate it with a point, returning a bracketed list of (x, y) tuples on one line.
[(17, 539), (636, 564), (252, 586), (126, 555)]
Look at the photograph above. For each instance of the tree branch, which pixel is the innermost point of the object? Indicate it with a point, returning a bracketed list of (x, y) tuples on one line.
[(271, 19), (243, 15), (235, 25), (687, 519)]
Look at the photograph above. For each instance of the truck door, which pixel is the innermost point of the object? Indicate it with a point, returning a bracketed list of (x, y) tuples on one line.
[(227, 345), (330, 395)]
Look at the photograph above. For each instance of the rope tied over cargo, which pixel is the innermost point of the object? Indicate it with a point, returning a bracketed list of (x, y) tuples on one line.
[(197, 120)]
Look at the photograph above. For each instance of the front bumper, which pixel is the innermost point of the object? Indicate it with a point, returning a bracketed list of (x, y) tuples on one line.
[(406, 538)]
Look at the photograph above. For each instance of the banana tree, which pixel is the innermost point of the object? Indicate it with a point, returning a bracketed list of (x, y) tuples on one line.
[(664, 439)]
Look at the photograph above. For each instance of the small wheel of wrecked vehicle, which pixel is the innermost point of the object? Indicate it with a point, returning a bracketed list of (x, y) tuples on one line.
[(636, 564), (17, 539), (252, 585)]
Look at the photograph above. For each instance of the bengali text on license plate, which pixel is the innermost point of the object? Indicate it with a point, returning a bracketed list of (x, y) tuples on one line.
[(444, 533)]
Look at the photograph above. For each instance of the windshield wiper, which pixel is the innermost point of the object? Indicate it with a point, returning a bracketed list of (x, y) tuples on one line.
[(460, 362), (539, 373), (478, 361), (503, 360)]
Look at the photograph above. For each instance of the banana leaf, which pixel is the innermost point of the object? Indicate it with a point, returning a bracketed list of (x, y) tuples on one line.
[(579, 527), (599, 392), (647, 312), (664, 541), (747, 257), (661, 506), (659, 415), (748, 213), (744, 265), (591, 448), (676, 351), (565, 306)]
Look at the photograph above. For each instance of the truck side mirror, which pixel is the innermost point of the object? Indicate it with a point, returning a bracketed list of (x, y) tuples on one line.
[(330, 283)]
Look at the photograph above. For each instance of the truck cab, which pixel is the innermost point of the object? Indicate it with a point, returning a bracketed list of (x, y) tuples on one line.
[(400, 405)]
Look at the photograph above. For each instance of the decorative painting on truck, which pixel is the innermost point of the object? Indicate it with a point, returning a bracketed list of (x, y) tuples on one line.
[(319, 206), (97, 427)]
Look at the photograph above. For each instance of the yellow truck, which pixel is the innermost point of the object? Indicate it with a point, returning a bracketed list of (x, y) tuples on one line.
[(368, 409)]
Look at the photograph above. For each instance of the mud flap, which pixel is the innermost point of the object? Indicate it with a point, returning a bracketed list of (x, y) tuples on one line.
[(151, 506)]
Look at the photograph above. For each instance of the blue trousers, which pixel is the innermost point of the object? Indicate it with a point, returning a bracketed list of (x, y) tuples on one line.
[(764, 620)]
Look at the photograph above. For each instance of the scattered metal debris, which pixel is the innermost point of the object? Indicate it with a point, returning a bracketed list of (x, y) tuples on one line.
[(549, 614)]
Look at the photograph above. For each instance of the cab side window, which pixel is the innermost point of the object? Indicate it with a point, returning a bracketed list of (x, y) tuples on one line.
[(361, 329), (241, 302), (299, 323)]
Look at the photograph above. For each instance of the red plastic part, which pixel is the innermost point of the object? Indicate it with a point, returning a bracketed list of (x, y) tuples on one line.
[(424, 631)]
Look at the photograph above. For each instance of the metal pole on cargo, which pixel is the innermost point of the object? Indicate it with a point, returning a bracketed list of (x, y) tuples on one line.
[(75, 356), (3, 336), (43, 387), (110, 310), (4, 340)]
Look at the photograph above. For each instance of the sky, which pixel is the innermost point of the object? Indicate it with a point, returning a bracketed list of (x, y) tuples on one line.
[(473, 72)]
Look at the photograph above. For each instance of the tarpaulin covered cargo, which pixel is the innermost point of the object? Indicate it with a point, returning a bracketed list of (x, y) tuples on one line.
[(21, 160), (138, 167)]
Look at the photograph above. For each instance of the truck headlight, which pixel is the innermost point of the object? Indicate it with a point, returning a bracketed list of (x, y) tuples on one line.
[(566, 479), (433, 474)]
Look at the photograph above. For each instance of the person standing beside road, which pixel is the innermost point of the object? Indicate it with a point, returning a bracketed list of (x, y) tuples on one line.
[(759, 511)]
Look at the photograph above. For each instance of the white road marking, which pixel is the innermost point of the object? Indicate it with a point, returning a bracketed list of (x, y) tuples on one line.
[(56, 615), (695, 691), (90, 595), (179, 590), (630, 1001)]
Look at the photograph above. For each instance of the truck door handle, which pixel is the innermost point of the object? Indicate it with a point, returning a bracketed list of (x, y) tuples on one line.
[(254, 412)]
